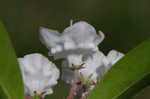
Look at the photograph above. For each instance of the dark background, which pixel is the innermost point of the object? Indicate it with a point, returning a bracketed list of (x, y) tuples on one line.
[(125, 23)]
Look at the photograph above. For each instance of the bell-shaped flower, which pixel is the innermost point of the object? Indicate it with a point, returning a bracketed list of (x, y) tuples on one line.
[(39, 74), (79, 38)]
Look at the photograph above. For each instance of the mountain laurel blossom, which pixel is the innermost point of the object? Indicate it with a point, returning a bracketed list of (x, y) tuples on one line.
[(84, 64), (78, 38), (92, 69), (39, 75)]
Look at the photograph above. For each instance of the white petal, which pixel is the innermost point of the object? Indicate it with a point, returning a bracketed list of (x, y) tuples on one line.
[(113, 56), (49, 37), (53, 50), (69, 45), (74, 59), (94, 65), (58, 48), (39, 74)]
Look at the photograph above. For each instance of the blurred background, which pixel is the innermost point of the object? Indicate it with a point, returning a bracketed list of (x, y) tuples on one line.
[(126, 23)]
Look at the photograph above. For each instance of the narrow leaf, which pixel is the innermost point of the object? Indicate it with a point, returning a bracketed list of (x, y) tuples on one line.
[(10, 76), (127, 77)]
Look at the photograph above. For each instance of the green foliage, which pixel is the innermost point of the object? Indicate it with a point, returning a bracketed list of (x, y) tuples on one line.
[(10, 77), (127, 77), (2, 94)]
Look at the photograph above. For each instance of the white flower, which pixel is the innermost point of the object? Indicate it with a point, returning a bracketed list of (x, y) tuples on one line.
[(97, 64), (94, 68), (94, 65), (39, 74), (78, 38), (84, 64)]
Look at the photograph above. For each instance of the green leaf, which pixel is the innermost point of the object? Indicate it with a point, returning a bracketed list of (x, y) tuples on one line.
[(2, 94), (10, 76), (127, 77)]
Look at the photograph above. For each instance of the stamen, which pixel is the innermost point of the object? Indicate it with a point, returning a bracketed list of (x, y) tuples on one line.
[(82, 65), (93, 83), (78, 67)]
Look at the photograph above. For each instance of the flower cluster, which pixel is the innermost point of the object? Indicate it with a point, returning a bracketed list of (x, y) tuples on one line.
[(84, 64)]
